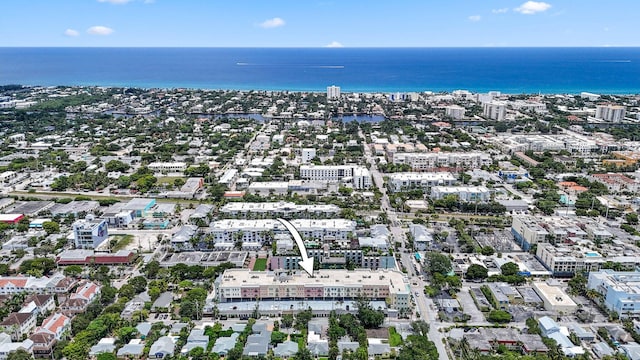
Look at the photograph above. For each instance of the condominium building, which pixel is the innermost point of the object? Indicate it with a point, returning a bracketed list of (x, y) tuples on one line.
[(333, 92), (619, 289), (359, 176), (528, 231), (307, 154), (565, 260), (90, 233), (236, 285), (464, 193), (277, 209), (258, 231), (494, 110), (611, 113), (408, 180), (454, 111), (434, 160)]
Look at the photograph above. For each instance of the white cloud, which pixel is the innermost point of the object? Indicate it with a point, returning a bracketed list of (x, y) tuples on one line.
[(71, 32), (500, 11), (99, 30), (475, 18), (532, 7), (114, 1), (272, 23), (334, 44)]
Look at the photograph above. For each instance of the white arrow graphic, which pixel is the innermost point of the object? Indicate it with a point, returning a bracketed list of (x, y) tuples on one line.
[(307, 262)]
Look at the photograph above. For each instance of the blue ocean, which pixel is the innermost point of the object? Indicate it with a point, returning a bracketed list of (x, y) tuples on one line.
[(510, 70)]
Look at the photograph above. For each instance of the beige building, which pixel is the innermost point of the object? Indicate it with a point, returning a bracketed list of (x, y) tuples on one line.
[(243, 284)]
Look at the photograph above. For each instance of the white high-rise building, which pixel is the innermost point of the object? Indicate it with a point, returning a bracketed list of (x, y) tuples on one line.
[(333, 92), (611, 113), (494, 110), (455, 111)]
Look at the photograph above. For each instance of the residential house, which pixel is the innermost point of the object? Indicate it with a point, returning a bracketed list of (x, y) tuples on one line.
[(133, 350), (80, 300), (196, 339), (43, 303), (43, 344), (56, 324), (104, 346), (7, 347), (18, 324), (286, 349), (163, 347), (224, 344)]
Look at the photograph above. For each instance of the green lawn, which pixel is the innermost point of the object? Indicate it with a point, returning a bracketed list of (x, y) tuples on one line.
[(260, 265), (119, 242), (394, 338)]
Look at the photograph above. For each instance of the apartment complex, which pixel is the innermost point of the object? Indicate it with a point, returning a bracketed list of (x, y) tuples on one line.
[(277, 209), (610, 113), (435, 160), (409, 180), (242, 284), (565, 260), (359, 176), (463, 193)]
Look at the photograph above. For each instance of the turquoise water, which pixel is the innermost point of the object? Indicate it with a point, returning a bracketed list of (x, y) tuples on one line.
[(510, 70), (591, 254)]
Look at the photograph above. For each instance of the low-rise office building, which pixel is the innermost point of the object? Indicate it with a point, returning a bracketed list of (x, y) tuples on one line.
[(90, 233), (620, 291)]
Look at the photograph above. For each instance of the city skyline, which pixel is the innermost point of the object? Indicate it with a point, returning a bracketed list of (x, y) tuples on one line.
[(463, 23)]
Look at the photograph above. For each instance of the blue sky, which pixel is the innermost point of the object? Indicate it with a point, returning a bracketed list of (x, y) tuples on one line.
[(311, 23)]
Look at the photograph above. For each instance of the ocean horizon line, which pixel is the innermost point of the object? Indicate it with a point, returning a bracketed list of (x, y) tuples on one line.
[(328, 47)]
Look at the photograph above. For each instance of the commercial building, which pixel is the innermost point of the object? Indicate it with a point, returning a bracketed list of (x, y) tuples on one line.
[(463, 193), (167, 166), (619, 289), (410, 180), (494, 110), (435, 160), (610, 113), (89, 257), (554, 298), (141, 207), (11, 219), (360, 176), (236, 285), (90, 233)]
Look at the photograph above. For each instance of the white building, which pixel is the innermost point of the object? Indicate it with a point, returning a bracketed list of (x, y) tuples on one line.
[(167, 166), (434, 160), (89, 233), (238, 284), (307, 155), (611, 113), (359, 176), (333, 92), (455, 111), (464, 193), (281, 209), (494, 110), (408, 180)]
